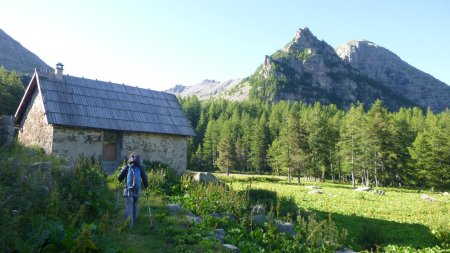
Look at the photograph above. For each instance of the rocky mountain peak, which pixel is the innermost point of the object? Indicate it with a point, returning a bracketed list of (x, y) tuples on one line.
[(303, 39)]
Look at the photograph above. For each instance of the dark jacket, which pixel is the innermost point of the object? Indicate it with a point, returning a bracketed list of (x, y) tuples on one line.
[(124, 171)]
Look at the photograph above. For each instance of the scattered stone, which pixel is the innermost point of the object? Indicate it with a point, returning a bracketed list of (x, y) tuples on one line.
[(194, 219), (223, 215), (315, 192), (428, 198), (379, 192), (259, 210), (363, 189), (231, 248), (219, 234), (312, 187), (445, 193), (259, 219), (205, 177), (345, 250), (175, 209), (286, 228), (41, 165)]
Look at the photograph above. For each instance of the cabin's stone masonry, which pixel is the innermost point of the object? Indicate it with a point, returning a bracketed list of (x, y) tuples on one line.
[(6, 130), (70, 143), (167, 149), (35, 130)]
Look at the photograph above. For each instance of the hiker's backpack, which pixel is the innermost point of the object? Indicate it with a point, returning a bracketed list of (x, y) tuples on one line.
[(133, 182)]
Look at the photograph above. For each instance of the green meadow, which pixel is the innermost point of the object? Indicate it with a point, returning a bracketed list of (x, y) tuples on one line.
[(400, 218)]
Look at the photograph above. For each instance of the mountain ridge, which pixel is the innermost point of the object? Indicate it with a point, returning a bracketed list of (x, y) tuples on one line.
[(14, 56), (310, 70)]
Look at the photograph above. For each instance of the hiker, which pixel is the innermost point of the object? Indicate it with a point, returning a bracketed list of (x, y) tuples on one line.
[(133, 172)]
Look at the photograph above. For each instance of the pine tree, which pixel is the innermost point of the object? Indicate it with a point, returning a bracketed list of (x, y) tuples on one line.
[(226, 150)]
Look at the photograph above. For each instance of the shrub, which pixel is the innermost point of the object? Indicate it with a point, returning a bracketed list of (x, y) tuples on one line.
[(372, 236)]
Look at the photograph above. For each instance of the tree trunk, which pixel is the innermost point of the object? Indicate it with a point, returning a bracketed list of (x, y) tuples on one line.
[(298, 176), (353, 179), (228, 171), (289, 175)]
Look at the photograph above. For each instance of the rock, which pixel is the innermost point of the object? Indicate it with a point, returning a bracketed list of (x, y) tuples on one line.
[(378, 192), (194, 219), (312, 187), (259, 219), (41, 165), (258, 209), (231, 248), (205, 177), (286, 228), (445, 193), (426, 197), (219, 234), (363, 189), (345, 250), (176, 209), (223, 215), (315, 192)]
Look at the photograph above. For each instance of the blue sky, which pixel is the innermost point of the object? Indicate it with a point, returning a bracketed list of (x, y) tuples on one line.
[(157, 44)]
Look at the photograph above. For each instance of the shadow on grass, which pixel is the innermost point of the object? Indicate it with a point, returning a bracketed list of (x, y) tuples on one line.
[(364, 233)]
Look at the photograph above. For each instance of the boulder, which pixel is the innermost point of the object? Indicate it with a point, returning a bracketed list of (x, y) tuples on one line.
[(286, 228), (378, 192), (205, 178), (258, 210), (345, 250), (426, 197), (312, 187), (259, 219), (223, 215), (363, 189), (231, 248), (194, 219), (316, 191), (445, 193), (176, 209), (219, 234)]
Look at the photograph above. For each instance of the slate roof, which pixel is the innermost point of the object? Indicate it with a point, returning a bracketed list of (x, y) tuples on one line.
[(81, 102)]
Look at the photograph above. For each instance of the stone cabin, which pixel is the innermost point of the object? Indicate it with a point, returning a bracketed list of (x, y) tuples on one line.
[(71, 116)]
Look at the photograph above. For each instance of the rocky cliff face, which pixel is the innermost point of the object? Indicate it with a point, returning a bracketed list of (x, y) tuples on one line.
[(310, 70), (384, 66), (13, 56)]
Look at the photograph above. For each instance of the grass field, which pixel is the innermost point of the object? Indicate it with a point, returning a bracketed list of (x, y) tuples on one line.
[(399, 218)]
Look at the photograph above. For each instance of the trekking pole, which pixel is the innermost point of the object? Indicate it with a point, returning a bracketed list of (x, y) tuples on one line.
[(149, 210)]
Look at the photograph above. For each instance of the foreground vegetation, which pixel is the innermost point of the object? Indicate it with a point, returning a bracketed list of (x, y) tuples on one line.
[(46, 207)]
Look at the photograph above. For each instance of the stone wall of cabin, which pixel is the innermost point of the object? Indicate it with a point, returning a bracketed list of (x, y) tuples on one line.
[(70, 143), (6, 130), (34, 129), (167, 149)]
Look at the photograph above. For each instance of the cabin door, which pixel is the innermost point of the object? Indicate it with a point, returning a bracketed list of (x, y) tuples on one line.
[(109, 146)]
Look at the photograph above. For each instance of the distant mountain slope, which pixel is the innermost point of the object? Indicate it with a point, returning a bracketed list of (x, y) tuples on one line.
[(13, 56), (310, 70), (211, 88), (384, 66)]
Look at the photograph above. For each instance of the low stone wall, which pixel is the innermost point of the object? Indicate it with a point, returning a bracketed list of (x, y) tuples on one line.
[(6, 130)]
